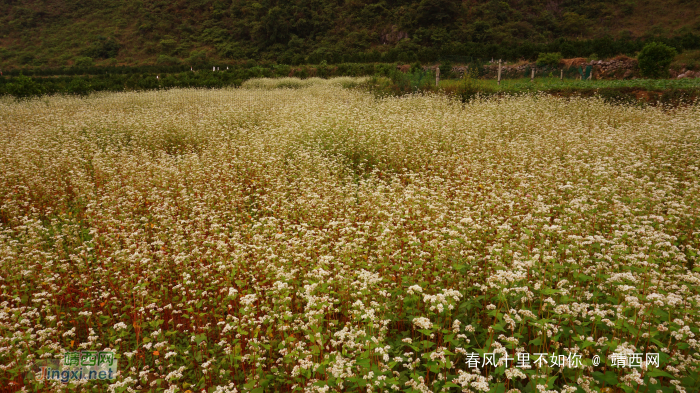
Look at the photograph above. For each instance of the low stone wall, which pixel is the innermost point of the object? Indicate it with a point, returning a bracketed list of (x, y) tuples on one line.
[(684, 73)]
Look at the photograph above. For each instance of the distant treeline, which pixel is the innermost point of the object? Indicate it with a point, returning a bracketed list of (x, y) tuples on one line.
[(243, 71), (27, 86), (468, 52)]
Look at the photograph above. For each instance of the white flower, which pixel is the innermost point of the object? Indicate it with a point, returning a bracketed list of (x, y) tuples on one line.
[(414, 288), (247, 300), (422, 322)]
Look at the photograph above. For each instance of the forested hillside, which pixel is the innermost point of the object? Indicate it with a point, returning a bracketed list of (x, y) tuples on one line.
[(54, 33)]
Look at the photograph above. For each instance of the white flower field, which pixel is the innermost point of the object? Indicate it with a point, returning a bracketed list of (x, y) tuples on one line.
[(319, 239)]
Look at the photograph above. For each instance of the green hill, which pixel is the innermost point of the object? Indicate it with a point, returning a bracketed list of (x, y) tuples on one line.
[(55, 33)]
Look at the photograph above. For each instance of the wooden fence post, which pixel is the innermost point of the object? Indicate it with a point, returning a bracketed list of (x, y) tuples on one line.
[(532, 77), (562, 75), (437, 75), (499, 72)]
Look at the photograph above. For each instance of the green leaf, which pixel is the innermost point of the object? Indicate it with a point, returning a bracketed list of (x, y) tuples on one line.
[(433, 367), (609, 377), (550, 291), (688, 381), (586, 344), (659, 373), (499, 388), (627, 389), (363, 363)]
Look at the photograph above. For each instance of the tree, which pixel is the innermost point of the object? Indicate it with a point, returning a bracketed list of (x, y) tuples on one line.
[(481, 31), (654, 59), (102, 48), (436, 12), (574, 24)]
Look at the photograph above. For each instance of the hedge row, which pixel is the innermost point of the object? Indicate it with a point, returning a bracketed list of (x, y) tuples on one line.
[(25, 86)]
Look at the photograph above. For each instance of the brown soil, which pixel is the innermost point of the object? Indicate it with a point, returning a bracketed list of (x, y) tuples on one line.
[(575, 62)]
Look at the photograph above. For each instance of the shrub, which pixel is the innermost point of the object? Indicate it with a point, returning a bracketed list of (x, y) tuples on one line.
[(167, 60), (79, 86), (197, 58), (24, 87), (83, 62), (446, 70), (416, 67), (168, 45), (102, 48), (549, 59), (654, 59)]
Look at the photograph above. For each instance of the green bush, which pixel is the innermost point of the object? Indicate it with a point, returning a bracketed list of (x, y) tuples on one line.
[(167, 60), (80, 87), (655, 59), (549, 59), (168, 45), (24, 87), (102, 48), (83, 62), (197, 58), (446, 70), (416, 67)]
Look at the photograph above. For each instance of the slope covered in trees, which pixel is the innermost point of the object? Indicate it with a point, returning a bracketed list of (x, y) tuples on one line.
[(61, 32)]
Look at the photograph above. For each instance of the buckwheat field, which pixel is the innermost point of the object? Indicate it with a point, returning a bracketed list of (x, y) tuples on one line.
[(319, 239)]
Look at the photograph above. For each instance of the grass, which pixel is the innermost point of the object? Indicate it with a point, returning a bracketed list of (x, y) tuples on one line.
[(318, 239), (689, 59), (668, 92), (297, 83), (545, 84)]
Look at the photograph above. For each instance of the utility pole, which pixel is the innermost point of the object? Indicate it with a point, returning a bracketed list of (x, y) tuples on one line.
[(499, 72)]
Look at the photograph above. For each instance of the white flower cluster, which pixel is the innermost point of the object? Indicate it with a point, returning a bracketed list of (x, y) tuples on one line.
[(422, 322), (249, 299), (440, 301)]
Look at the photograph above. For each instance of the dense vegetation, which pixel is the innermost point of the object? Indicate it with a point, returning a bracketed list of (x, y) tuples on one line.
[(383, 80), (55, 33), (150, 78), (321, 240), (655, 58)]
